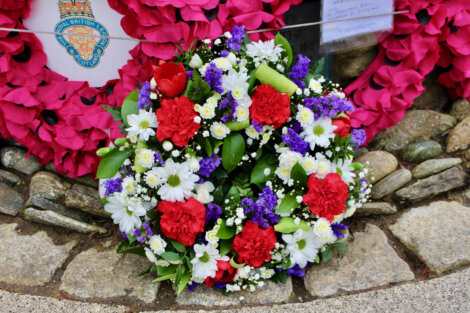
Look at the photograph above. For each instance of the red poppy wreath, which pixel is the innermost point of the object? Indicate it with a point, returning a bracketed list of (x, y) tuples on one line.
[(63, 121)]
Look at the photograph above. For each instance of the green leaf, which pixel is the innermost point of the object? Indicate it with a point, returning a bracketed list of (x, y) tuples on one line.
[(199, 89), (207, 147), (266, 162), (104, 200), (326, 254), (179, 273), (170, 256), (225, 232), (233, 151), (286, 225), (286, 263), (298, 174), (112, 162), (251, 81), (317, 68), (317, 259), (114, 111), (178, 246), (289, 203), (225, 247), (233, 193), (340, 246), (235, 264), (166, 270), (235, 126), (129, 106), (134, 250), (282, 277), (357, 166), (281, 40), (162, 278), (183, 282), (131, 238)]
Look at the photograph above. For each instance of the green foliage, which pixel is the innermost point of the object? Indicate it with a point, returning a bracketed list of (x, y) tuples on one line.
[(299, 175), (287, 225), (289, 203), (112, 162), (233, 151), (268, 161), (281, 40), (170, 256), (129, 106), (199, 90), (226, 232), (225, 247), (178, 246), (326, 254), (125, 247)]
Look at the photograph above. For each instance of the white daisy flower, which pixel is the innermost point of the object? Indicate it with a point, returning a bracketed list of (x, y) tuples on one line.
[(152, 179), (194, 164), (179, 181), (322, 229), (343, 168), (203, 192), (265, 50), (219, 130), (205, 261), (142, 125), (157, 244), (318, 133), (309, 164), (302, 246), (315, 86), (236, 83), (146, 157), (126, 211)]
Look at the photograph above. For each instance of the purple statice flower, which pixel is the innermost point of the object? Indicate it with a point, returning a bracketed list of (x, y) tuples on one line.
[(233, 105), (328, 106), (189, 74), (113, 185), (140, 238), (257, 126), (238, 34), (296, 126), (300, 71), (137, 232), (224, 118), (158, 158), (124, 235), (208, 165), (295, 143), (297, 271), (358, 137), (220, 285), (262, 209), (337, 227), (213, 77), (192, 286), (143, 101), (224, 53), (364, 181), (213, 212), (147, 228), (224, 103)]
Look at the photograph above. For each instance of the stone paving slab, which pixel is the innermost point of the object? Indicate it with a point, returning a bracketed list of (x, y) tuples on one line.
[(107, 274), (29, 260), (268, 294), (439, 234), (371, 262), (11, 202)]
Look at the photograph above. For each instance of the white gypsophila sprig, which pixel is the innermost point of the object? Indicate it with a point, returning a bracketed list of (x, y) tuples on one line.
[(142, 125)]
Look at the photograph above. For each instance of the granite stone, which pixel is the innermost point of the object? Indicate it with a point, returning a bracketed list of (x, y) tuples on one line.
[(15, 158), (391, 183), (431, 167), (379, 164), (11, 201)]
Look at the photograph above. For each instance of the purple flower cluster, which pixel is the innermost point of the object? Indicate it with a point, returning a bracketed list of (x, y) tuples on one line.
[(262, 209), (233, 104), (300, 70), (328, 106), (158, 158), (295, 143), (113, 185), (208, 165), (297, 271), (337, 227), (238, 34), (213, 77), (358, 137), (189, 74), (144, 232), (143, 101), (213, 212), (258, 127)]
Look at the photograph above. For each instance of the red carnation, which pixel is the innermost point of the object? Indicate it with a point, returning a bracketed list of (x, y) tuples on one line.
[(182, 220), (254, 244), (176, 120), (170, 78), (343, 126), (326, 198), (225, 274), (269, 106)]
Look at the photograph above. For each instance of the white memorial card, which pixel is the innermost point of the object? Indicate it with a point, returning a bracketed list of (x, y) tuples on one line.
[(344, 9), (91, 59)]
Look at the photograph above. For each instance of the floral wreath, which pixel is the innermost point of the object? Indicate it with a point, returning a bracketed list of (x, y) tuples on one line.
[(434, 32), (63, 121), (235, 168)]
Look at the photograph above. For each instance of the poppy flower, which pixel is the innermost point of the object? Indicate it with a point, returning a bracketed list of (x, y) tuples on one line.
[(170, 78)]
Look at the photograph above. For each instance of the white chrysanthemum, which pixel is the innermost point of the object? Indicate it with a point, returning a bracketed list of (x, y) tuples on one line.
[(304, 115), (318, 133), (309, 164), (288, 158), (236, 83), (265, 50), (232, 58), (322, 229), (323, 166), (223, 63), (146, 157), (150, 255), (343, 168), (157, 244), (126, 211), (179, 181), (152, 179), (211, 237), (203, 69), (129, 185), (302, 246), (207, 111), (219, 130), (266, 273), (212, 101), (203, 192), (242, 113), (315, 86), (283, 173), (142, 125), (251, 132), (194, 164), (205, 261)]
